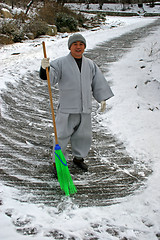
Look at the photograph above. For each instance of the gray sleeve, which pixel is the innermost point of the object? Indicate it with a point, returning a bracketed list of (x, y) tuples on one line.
[(55, 71), (100, 87)]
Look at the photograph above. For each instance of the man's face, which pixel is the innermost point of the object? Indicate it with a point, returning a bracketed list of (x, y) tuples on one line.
[(77, 49)]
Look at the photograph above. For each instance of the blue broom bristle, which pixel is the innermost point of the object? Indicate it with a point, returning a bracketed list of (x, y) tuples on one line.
[(64, 177)]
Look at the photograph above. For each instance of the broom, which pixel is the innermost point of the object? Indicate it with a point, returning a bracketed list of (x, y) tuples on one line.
[(63, 174)]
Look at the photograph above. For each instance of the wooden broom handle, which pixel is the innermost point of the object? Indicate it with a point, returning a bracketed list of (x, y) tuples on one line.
[(50, 96)]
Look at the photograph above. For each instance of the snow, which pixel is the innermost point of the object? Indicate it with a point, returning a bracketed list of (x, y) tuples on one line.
[(132, 115), (116, 7)]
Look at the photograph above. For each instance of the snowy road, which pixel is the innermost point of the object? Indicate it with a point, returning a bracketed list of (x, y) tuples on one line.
[(26, 140)]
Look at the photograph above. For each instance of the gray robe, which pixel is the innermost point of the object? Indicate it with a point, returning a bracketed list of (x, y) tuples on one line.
[(75, 87)]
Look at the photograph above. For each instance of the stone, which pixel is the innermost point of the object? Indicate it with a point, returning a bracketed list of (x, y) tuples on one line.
[(5, 39), (5, 13), (52, 30)]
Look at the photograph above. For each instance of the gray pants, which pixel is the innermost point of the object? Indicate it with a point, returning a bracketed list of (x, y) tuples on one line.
[(75, 128)]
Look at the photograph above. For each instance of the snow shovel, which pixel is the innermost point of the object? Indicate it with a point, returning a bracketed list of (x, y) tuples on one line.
[(63, 174)]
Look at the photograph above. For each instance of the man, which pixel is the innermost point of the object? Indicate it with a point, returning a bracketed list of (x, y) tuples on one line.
[(78, 78)]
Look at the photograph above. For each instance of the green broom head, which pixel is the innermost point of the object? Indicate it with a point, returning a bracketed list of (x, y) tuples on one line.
[(64, 177)]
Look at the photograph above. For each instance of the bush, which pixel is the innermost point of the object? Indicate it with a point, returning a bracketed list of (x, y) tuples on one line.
[(17, 30), (81, 19), (37, 27), (51, 13), (47, 13), (18, 36), (8, 27), (64, 21), (13, 29), (21, 17), (62, 17)]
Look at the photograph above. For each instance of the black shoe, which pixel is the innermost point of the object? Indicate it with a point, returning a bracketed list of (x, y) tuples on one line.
[(80, 163), (55, 170)]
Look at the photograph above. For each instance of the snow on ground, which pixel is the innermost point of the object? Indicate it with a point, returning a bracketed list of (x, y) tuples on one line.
[(132, 115), (134, 118), (118, 7), (137, 97)]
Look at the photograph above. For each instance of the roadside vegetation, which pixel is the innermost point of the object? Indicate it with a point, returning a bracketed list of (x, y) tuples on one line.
[(21, 19), (19, 22)]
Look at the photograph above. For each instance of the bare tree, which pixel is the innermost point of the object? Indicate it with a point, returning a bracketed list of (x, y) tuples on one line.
[(87, 2), (61, 2), (140, 3), (152, 3), (28, 6), (100, 4), (125, 4), (13, 2)]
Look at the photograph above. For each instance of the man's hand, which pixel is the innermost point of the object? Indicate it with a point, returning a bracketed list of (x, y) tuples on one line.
[(45, 63), (103, 106)]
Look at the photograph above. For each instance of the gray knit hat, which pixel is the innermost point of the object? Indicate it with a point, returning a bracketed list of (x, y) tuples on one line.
[(76, 37)]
